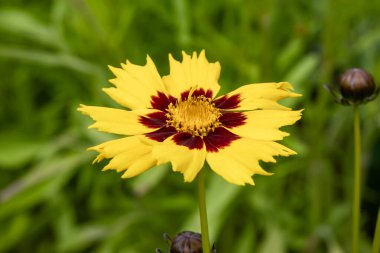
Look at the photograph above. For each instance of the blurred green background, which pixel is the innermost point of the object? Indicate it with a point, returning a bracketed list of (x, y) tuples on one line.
[(54, 56)]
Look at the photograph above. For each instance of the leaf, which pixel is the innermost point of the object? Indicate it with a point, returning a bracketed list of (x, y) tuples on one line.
[(16, 151), (302, 71), (23, 24), (149, 179), (37, 185), (50, 59), (274, 241)]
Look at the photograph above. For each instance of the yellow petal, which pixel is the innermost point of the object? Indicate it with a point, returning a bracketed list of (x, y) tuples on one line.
[(130, 153), (192, 72), (263, 124), (140, 165), (249, 152), (117, 121), (263, 95), (135, 85), (112, 148), (188, 162), (124, 98), (238, 162), (127, 158), (228, 168)]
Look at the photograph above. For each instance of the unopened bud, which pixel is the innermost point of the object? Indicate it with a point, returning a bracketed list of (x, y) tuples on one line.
[(187, 242), (357, 85)]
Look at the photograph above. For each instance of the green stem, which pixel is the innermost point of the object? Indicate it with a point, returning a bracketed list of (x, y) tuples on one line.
[(376, 239), (203, 212), (356, 199)]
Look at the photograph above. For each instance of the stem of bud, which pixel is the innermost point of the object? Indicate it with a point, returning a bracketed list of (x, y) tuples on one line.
[(357, 179), (203, 212)]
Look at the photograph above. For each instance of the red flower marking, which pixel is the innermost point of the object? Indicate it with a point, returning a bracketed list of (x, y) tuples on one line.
[(161, 101), (186, 139), (161, 134), (226, 102), (153, 120), (232, 119), (219, 139)]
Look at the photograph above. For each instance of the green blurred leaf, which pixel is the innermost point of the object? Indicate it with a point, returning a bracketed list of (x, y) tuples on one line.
[(50, 59), (147, 181), (12, 231), (38, 184), (16, 151), (290, 53), (245, 242), (23, 24), (302, 71), (274, 241)]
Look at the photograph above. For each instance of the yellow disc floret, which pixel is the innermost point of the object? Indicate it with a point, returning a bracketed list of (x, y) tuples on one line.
[(195, 115)]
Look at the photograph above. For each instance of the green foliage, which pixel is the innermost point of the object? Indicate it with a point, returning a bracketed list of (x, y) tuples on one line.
[(54, 56)]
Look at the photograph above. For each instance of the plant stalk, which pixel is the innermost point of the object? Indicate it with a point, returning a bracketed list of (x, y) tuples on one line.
[(357, 180), (203, 212)]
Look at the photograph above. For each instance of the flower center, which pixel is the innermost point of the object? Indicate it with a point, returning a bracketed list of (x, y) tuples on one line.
[(196, 115)]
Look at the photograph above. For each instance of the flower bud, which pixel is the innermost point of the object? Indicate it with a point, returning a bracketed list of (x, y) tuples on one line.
[(357, 85), (186, 242)]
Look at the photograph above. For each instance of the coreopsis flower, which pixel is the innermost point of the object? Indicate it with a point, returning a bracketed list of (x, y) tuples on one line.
[(180, 119)]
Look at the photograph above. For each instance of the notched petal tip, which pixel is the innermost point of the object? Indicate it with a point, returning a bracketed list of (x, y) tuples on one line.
[(242, 182), (81, 108), (189, 176), (286, 86), (149, 62), (110, 67), (258, 170), (98, 158), (94, 126), (126, 175), (114, 70), (85, 109), (148, 59), (188, 179), (172, 62), (109, 89), (250, 182), (266, 173), (94, 148), (298, 114)]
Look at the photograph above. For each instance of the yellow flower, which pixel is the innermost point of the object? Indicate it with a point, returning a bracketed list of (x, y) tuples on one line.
[(179, 119)]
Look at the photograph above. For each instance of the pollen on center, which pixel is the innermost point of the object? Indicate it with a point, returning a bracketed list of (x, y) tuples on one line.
[(195, 115)]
